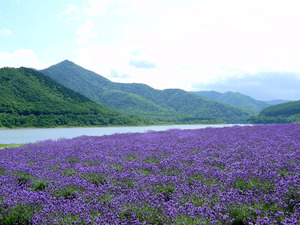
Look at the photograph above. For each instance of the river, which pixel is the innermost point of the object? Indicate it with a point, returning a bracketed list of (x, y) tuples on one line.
[(31, 135)]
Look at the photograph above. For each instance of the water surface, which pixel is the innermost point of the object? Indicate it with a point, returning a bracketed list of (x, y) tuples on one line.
[(24, 135)]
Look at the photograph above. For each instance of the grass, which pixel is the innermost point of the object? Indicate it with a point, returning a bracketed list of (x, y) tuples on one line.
[(10, 145), (69, 192)]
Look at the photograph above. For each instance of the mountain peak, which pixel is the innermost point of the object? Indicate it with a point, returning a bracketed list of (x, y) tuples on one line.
[(66, 62), (39, 101), (170, 105)]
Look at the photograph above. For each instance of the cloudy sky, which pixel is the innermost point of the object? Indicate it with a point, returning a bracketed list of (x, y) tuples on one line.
[(249, 46)]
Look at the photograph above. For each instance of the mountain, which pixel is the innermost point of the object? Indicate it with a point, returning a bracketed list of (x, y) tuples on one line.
[(240, 100), (31, 99), (277, 102), (171, 105), (283, 113)]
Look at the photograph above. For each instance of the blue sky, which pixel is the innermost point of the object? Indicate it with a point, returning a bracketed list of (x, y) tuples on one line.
[(249, 46)]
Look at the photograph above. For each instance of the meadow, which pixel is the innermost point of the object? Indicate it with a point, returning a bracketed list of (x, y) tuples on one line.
[(230, 175)]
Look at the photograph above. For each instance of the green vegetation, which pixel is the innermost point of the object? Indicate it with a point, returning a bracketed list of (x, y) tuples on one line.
[(39, 186), (19, 214), (237, 99), (31, 99), (9, 145), (167, 106), (283, 113)]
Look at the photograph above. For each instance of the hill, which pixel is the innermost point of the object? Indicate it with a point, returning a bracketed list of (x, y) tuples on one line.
[(237, 99), (171, 105), (31, 99), (283, 113)]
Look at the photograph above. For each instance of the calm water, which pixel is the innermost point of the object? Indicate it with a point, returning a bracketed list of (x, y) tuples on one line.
[(19, 136)]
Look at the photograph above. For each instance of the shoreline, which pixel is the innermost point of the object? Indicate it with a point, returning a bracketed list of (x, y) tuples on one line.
[(152, 125)]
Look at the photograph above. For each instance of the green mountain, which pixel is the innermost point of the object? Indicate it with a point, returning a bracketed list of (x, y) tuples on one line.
[(31, 99), (171, 105), (237, 99), (283, 113)]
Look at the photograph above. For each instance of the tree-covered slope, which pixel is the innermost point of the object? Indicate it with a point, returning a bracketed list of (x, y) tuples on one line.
[(31, 99), (240, 100), (98, 88), (285, 109), (171, 105), (186, 103), (283, 113)]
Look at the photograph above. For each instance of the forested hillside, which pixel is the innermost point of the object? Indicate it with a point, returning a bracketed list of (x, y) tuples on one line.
[(31, 99), (171, 105), (237, 99), (282, 113)]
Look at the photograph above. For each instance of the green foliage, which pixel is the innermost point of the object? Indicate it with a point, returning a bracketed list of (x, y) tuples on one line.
[(96, 179), (9, 145), (145, 213), (39, 186), (252, 184), (188, 220), (282, 113), (69, 192), (23, 178), (68, 172), (131, 158), (19, 214), (166, 190), (285, 110), (155, 106), (153, 160), (239, 213), (118, 167), (237, 99), (145, 171), (31, 99), (2, 172)]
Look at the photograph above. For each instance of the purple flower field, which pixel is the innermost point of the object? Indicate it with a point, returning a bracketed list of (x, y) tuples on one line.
[(230, 175)]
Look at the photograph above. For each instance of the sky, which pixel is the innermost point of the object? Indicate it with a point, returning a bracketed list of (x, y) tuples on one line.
[(246, 46)]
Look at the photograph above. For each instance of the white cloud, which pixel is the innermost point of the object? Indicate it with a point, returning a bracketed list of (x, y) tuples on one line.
[(85, 32), (103, 58), (4, 32), (72, 13), (190, 41), (130, 7), (96, 7), (21, 57)]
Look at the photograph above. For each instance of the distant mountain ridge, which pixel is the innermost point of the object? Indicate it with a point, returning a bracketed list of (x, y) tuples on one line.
[(170, 105), (31, 99), (283, 113), (240, 100)]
